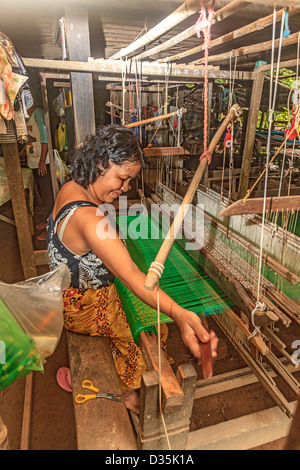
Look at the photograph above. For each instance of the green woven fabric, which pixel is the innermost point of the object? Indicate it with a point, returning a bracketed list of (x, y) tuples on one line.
[(183, 280)]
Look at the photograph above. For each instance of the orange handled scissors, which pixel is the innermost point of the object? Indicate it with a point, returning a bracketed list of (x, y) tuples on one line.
[(79, 399)]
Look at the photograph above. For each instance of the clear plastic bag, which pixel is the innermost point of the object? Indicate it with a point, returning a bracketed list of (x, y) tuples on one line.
[(18, 356), (37, 306)]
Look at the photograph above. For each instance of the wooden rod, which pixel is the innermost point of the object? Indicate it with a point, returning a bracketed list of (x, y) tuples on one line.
[(152, 276), (156, 118), (255, 206)]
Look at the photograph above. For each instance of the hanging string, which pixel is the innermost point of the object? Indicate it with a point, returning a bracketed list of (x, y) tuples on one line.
[(203, 25), (159, 369), (123, 68), (259, 305)]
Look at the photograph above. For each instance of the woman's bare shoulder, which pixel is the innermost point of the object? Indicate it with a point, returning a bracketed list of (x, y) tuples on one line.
[(70, 192)]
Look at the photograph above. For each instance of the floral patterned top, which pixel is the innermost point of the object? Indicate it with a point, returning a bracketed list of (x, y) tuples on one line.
[(87, 271)]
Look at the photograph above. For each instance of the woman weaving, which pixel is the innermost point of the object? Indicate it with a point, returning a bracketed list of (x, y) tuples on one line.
[(102, 169)]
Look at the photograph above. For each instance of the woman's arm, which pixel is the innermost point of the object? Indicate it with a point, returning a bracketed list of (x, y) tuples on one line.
[(111, 250)]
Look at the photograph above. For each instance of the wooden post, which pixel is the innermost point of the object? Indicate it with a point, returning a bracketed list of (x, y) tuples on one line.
[(55, 187), (251, 132), (151, 434), (78, 45), (16, 189)]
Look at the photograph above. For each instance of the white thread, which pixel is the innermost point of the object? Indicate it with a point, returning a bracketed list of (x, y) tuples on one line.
[(159, 368), (157, 272)]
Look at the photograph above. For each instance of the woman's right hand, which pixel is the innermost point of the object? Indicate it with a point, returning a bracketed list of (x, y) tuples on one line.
[(193, 333)]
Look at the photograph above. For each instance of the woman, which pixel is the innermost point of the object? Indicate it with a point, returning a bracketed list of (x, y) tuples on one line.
[(101, 172)]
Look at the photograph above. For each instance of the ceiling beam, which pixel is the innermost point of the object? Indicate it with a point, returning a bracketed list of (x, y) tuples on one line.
[(187, 9), (252, 49), (219, 15), (257, 25)]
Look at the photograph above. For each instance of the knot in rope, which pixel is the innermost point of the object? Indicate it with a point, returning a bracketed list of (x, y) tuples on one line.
[(203, 24), (259, 306), (207, 155)]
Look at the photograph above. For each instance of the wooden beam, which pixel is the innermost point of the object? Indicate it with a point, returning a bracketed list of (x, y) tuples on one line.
[(219, 15), (157, 151), (55, 188), (243, 433), (252, 49), (259, 24), (184, 11), (251, 132), (150, 430), (16, 189), (151, 70), (78, 45), (255, 206), (172, 393)]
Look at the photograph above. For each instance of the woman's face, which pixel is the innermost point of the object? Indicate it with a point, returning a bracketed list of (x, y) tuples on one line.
[(114, 181)]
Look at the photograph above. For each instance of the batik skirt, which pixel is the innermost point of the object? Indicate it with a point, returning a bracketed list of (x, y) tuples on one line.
[(99, 312)]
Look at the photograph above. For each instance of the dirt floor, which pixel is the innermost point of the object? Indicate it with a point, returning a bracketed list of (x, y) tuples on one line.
[(52, 420)]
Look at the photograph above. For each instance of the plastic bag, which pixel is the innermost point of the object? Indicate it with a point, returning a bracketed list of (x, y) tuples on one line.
[(37, 306), (18, 356), (62, 171)]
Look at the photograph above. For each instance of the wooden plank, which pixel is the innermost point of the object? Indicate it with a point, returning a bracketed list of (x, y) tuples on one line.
[(172, 392), (27, 409), (158, 151), (255, 206), (16, 189), (230, 381), (100, 424), (41, 257), (242, 433), (106, 68)]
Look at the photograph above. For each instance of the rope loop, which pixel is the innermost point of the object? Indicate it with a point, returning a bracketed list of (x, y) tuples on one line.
[(157, 268)]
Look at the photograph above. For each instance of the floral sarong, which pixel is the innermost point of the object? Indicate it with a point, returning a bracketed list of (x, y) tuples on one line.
[(99, 312)]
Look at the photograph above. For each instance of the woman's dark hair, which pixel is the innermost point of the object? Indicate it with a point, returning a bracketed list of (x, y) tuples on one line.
[(110, 144)]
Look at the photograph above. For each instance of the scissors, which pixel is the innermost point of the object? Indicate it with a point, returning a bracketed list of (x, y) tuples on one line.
[(88, 384)]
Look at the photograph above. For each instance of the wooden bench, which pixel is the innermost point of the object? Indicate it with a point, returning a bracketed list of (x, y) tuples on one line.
[(101, 424), (106, 425)]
